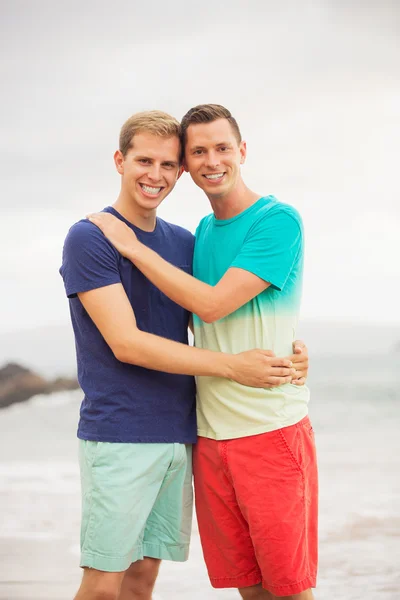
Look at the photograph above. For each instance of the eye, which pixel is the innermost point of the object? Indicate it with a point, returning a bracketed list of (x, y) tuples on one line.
[(144, 161), (168, 165), (223, 148), (198, 152)]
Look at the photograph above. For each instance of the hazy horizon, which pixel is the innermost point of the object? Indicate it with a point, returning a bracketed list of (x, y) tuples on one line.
[(51, 350)]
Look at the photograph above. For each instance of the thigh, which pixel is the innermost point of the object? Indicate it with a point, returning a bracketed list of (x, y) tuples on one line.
[(168, 527), (120, 484), (275, 478), (224, 533)]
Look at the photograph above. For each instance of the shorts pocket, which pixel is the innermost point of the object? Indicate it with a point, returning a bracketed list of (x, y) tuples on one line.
[(91, 452), (291, 441)]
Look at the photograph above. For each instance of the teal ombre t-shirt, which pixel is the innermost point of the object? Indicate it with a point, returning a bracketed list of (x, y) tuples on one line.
[(267, 240)]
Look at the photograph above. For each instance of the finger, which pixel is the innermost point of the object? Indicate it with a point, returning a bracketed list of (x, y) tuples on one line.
[(275, 381), (300, 381), (283, 372), (300, 372), (298, 345), (280, 362), (93, 219), (299, 375), (300, 369), (299, 359)]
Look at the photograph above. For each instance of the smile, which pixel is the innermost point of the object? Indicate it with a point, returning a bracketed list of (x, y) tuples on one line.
[(152, 191), (214, 176)]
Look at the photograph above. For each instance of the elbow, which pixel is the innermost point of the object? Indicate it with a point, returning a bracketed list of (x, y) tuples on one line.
[(120, 352), (125, 351), (208, 318), (214, 314), (211, 308), (211, 314)]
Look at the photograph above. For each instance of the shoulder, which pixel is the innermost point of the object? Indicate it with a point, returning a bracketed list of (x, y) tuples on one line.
[(84, 236), (83, 230), (273, 212)]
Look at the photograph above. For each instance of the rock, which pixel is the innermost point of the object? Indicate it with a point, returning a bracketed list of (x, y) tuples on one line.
[(12, 370), (18, 384), (62, 383)]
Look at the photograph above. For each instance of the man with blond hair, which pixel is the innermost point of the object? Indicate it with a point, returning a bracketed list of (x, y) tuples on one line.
[(137, 420), (255, 465)]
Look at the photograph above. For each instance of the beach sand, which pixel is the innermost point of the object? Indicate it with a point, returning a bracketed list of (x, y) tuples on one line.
[(46, 569)]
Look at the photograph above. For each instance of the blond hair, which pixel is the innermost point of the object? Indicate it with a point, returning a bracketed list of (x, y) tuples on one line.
[(155, 122)]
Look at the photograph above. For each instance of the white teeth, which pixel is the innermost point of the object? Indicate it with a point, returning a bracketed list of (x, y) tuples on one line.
[(214, 176), (150, 190)]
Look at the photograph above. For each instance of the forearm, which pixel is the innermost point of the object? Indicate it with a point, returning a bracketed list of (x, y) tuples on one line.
[(160, 354), (185, 290)]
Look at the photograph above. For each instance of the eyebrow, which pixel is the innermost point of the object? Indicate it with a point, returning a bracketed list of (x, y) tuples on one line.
[(144, 157), (202, 147)]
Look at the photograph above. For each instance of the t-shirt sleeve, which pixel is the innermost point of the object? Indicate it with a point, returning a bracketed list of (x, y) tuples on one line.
[(89, 260), (272, 247)]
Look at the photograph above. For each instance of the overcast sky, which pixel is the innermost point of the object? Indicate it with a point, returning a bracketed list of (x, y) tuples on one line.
[(315, 87)]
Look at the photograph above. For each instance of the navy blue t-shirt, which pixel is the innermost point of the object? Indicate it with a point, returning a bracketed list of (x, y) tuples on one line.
[(124, 402)]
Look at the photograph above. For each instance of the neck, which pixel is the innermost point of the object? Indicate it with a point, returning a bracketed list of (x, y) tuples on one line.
[(140, 217), (235, 202)]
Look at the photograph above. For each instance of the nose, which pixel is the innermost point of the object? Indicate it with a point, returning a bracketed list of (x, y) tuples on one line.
[(154, 172), (212, 159)]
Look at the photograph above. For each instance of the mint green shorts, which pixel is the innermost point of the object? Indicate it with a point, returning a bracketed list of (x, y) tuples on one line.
[(137, 501)]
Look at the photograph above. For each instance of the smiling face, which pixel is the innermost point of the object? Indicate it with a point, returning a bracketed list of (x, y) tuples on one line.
[(213, 157), (149, 169)]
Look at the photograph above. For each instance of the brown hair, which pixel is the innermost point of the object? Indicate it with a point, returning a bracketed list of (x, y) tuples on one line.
[(152, 121), (207, 113)]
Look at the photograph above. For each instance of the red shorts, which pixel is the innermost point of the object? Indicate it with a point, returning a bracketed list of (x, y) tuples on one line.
[(257, 509)]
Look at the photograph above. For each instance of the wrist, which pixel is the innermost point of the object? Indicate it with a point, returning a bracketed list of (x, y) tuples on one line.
[(228, 366), (134, 251), (220, 364)]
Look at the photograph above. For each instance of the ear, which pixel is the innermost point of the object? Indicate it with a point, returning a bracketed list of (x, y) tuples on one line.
[(180, 171), (243, 152), (119, 161)]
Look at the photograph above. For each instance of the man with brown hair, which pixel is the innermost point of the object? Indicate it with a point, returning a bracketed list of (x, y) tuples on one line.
[(255, 462), (137, 421)]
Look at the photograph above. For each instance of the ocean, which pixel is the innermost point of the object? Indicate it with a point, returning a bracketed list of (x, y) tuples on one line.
[(355, 404)]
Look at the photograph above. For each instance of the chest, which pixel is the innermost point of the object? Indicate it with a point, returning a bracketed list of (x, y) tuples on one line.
[(154, 311), (215, 250)]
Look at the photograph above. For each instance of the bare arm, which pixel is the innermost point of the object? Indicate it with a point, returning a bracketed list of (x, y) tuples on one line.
[(210, 303), (112, 313)]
